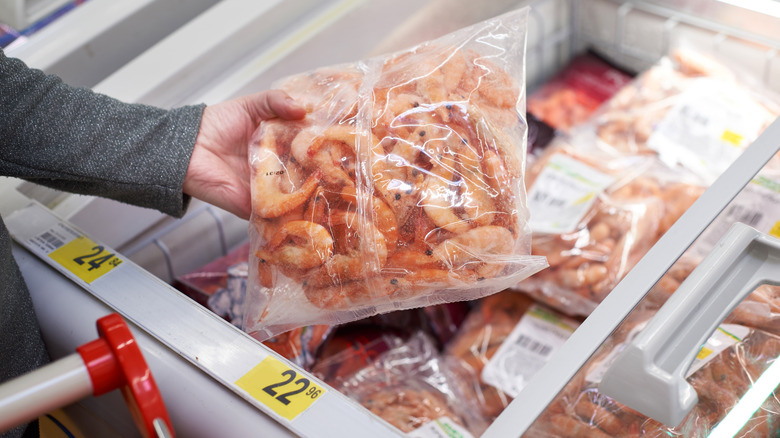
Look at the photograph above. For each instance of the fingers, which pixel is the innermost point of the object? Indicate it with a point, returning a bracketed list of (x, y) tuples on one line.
[(273, 103)]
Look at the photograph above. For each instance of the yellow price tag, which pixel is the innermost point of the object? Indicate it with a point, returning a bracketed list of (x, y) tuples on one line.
[(775, 231), (280, 388), (732, 137), (86, 259), (704, 352)]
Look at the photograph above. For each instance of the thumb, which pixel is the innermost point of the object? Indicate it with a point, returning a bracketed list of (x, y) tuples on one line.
[(271, 104)]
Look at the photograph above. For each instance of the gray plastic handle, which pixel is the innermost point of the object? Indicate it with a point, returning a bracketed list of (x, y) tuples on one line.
[(649, 374)]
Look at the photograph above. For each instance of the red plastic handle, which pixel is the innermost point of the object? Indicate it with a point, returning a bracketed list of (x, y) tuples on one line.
[(115, 361)]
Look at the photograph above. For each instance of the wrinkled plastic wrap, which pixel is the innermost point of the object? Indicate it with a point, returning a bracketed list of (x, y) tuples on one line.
[(351, 349), (760, 309), (402, 187), (410, 385), (480, 336), (689, 109), (720, 379), (479, 349), (594, 216), (221, 287)]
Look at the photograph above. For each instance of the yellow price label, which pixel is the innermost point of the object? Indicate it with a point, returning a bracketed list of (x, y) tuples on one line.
[(775, 231), (280, 388), (85, 258), (732, 137), (703, 353)]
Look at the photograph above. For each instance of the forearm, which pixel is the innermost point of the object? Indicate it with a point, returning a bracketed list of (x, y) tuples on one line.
[(76, 140)]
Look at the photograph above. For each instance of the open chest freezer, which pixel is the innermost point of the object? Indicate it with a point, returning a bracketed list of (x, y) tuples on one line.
[(207, 370)]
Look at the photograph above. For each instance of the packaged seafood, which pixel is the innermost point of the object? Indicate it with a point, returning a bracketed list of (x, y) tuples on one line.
[(594, 215), (351, 349), (410, 386), (573, 94), (690, 110), (221, 287), (723, 371), (760, 309), (202, 283), (402, 187), (505, 339)]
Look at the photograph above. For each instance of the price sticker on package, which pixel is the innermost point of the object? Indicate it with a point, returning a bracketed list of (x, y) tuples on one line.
[(284, 390), (85, 259)]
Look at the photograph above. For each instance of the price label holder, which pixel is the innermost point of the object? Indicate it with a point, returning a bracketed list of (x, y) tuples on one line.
[(276, 387)]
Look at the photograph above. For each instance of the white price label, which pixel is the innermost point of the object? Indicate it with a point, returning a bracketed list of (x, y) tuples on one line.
[(708, 127), (757, 205), (525, 351), (563, 193)]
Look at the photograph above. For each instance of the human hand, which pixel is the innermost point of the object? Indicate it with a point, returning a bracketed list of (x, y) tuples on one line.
[(219, 172)]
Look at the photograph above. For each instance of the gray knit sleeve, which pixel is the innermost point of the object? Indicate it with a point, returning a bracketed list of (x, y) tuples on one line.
[(76, 140)]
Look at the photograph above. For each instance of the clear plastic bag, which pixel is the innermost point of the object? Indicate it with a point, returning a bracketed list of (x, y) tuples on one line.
[(504, 341), (594, 216), (480, 336), (689, 109), (402, 187), (724, 370), (410, 385)]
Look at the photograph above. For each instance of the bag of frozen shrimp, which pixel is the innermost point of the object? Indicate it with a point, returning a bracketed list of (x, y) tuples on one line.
[(402, 187)]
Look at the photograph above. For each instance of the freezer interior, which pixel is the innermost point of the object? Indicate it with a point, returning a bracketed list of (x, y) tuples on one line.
[(231, 49)]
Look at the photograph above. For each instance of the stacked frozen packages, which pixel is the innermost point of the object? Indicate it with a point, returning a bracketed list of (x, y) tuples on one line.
[(724, 370), (404, 187), (601, 196)]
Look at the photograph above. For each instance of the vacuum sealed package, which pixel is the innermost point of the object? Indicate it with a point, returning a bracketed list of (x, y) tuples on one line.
[(402, 187), (727, 366), (412, 388), (689, 110), (504, 341), (594, 216)]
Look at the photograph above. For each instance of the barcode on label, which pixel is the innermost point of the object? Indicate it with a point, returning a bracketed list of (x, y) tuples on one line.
[(548, 200), (52, 240), (746, 215), (533, 345)]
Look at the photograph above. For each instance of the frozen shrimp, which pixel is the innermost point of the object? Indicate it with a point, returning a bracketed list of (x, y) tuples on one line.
[(358, 259), (268, 200), (301, 244), (480, 249), (332, 152), (439, 198)]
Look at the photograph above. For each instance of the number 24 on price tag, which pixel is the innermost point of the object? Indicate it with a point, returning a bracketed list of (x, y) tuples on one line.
[(86, 259), (280, 388)]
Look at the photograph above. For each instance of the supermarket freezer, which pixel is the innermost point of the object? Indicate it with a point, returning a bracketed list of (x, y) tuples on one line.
[(558, 30)]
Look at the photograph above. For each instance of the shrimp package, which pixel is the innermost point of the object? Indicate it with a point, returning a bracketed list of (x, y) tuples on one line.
[(760, 309), (402, 187), (413, 388), (690, 110), (504, 341), (727, 366), (594, 216)]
